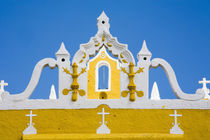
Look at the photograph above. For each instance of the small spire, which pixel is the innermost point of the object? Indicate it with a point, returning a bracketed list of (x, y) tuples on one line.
[(103, 23), (52, 93), (144, 50), (62, 50), (155, 92), (103, 16)]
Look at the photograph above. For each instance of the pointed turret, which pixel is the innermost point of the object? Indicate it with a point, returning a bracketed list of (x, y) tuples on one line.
[(144, 57), (144, 50), (155, 92), (103, 23), (52, 93), (63, 61), (103, 16), (62, 50), (144, 54)]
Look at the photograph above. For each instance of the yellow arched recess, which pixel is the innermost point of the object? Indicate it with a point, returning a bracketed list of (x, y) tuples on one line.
[(113, 92)]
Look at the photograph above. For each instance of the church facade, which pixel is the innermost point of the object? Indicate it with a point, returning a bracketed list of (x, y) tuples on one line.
[(114, 105)]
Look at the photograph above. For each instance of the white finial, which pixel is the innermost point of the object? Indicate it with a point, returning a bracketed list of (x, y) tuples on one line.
[(144, 50), (30, 129), (206, 90), (175, 129), (62, 50), (103, 129), (155, 92), (52, 93), (103, 23), (2, 84)]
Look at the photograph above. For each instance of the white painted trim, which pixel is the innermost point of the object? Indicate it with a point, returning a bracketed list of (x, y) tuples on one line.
[(84, 103), (98, 65), (98, 55)]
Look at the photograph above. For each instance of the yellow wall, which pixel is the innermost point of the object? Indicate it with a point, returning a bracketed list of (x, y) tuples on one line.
[(195, 123), (115, 78)]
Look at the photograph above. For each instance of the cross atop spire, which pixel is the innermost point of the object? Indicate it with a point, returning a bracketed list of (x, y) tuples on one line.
[(144, 50), (103, 23)]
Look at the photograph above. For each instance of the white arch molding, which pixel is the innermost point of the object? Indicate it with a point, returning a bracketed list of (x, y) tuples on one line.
[(98, 65)]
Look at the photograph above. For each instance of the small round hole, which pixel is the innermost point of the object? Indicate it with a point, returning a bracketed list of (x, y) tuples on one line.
[(145, 58), (63, 59), (103, 95), (103, 22)]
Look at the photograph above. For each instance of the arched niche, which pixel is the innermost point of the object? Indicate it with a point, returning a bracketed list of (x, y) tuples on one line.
[(103, 76), (101, 59)]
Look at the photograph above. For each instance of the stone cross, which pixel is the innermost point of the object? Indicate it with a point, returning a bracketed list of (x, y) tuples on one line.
[(30, 129), (30, 115), (103, 129), (2, 84), (103, 115), (204, 82), (175, 116), (176, 129)]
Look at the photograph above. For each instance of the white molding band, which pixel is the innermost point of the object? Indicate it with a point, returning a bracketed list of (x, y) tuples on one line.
[(112, 103)]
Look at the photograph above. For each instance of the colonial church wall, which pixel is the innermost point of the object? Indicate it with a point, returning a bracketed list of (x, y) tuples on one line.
[(123, 110)]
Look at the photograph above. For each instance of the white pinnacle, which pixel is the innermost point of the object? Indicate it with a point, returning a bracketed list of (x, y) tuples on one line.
[(103, 24), (155, 92), (144, 50), (52, 93), (62, 50), (103, 16)]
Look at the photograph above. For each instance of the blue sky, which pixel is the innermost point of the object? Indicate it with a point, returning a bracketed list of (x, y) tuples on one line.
[(177, 31)]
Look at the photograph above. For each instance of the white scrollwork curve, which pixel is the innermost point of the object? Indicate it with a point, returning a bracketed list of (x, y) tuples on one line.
[(52, 63), (173, 81), (90, 49)]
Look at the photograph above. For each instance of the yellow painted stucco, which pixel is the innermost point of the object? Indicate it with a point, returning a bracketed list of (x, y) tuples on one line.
[(120, 136), (141, 122), (114, 92)]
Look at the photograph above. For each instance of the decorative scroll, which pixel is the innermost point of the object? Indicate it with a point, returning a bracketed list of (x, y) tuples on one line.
[(52, 63), (173, 82), (96, 43)]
